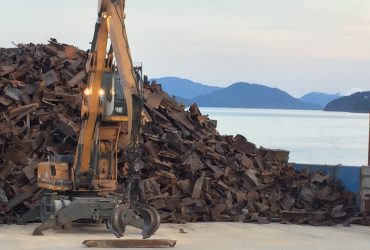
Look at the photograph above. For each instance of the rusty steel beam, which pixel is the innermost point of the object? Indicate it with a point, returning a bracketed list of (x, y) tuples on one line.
[(129, 243)]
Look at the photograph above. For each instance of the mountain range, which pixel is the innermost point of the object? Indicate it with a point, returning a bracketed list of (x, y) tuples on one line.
[(247, 95), (184, 88), (323, 99), (237, 95), (319, 98), (357, 103)]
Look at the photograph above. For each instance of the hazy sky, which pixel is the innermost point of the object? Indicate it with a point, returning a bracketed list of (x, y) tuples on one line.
[(295, 45)]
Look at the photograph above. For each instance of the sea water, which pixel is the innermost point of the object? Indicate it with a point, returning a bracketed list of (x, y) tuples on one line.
[(312, 137)]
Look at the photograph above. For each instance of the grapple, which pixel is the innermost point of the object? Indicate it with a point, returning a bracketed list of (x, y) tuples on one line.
[(134, 210), (143, 217)]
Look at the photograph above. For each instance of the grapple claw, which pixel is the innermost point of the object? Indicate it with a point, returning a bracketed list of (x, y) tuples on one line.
[(145, 218), (151, 221)]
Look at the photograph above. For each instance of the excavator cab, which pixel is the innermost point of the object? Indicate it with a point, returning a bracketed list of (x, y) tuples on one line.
[(112, 98)]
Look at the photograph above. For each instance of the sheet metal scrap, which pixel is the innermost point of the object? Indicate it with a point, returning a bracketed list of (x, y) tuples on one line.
[(192, 172)]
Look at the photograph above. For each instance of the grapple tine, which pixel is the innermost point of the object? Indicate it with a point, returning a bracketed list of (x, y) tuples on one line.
[(158, 218), (115, 223), (151, 221)]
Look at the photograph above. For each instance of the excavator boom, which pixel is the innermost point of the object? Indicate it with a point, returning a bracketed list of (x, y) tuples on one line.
[(110, 23)]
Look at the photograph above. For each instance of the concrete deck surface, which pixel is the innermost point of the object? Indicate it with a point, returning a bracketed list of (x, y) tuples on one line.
[(200, 236)]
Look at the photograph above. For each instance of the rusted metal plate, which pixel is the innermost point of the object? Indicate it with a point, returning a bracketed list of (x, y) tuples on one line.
[(198, 186), (50, 77), (154, 100), (129, 243), (3, 197), (193, 162), (79, 77)]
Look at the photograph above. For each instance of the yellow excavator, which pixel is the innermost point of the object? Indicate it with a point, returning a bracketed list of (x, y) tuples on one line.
[(83, 187)]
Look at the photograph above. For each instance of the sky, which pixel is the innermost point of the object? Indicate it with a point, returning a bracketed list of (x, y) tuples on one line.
[(297, 46)]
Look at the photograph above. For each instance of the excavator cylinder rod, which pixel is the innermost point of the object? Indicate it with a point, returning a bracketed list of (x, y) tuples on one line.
[(129, 243)]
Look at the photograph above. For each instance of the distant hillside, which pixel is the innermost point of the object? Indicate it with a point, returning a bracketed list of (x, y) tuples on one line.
[(245, 95), (357, 103), (319, 98), (183, 88)]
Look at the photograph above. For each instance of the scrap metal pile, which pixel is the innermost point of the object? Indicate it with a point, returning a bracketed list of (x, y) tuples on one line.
[(40, 88), (191, 172)]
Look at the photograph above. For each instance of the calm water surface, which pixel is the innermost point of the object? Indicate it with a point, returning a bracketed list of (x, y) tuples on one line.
[(315, 137)]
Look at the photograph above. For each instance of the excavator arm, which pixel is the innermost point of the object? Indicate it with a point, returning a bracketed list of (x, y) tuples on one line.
[(110, 24)]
